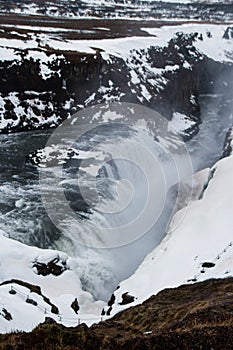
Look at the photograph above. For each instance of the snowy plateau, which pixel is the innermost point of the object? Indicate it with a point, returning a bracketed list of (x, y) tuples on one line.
[(175, 58)]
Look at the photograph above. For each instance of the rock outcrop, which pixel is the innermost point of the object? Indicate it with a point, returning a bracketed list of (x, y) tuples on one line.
[(40, 93), (43, 85), (227, 148)]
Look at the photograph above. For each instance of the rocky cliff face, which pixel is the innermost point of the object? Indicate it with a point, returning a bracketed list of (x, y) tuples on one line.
[(42, 86)]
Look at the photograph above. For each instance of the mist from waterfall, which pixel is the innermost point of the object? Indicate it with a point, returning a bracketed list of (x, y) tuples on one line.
[(124, 224), (24, 218)]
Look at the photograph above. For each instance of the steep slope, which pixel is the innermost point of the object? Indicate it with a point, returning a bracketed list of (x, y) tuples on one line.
[(46, 78), (194, 317), (198, 244)]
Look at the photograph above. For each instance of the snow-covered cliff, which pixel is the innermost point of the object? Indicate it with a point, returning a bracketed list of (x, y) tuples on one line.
[(198, 245)]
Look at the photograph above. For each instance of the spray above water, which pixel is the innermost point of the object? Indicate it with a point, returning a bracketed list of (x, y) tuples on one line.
[(117, 163)]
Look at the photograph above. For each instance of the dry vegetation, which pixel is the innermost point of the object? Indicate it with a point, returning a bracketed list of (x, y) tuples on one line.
[(198, 316)]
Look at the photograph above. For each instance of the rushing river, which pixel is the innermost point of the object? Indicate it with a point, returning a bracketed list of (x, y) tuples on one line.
[(23, 217)]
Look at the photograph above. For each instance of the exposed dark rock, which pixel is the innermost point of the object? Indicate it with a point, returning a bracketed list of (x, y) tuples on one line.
[(227, 148), (75, 306), (211, 175), (6, 314), (103, 312), (112, 300), (31, 301), (208, 264), (228, 33), (84, 75), (51, 268), (192, 280), (12, 291), (108, 313), (127, 299), (54, 309), (88, 75)]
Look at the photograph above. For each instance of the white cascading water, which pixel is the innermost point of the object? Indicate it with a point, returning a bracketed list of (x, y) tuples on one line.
[(119, 233), (22, 215)]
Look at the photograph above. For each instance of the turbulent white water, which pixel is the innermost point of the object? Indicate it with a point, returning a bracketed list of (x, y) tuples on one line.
[(129, 208), (22, 214)]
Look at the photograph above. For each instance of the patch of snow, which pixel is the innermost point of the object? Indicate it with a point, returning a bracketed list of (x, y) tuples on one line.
[(7, 54), (145, 93), (180, 123)]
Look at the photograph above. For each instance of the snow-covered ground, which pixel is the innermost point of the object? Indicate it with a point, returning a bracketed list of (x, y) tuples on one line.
[(18, 264), (200, 233), (209, 41)]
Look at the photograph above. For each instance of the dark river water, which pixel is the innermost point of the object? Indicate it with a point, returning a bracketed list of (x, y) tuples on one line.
[(21, 210), (23, 217)]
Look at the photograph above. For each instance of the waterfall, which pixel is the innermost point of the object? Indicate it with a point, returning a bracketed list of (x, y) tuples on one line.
[(130, 188), (112, 191)]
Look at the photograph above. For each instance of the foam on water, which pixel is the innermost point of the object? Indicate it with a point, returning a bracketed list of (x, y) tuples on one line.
[(22, 215)]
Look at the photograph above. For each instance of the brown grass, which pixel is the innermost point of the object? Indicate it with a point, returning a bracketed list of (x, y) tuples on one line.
[(198, 316)]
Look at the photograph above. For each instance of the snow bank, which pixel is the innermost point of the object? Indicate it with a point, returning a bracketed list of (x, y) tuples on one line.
[(17, 261), (200, 233)]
